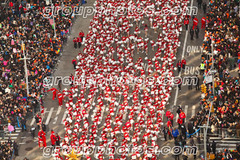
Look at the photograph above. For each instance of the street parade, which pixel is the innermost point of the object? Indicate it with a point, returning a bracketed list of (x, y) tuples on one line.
[(119, 80)]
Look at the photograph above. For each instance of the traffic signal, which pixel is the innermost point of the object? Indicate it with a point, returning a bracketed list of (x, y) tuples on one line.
[(23, 46), (203, 88), (212, 109)]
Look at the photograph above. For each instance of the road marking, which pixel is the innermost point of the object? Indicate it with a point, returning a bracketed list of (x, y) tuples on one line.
[(184, 47), (103, 109), (33, 120), (176, 117), (93, 100), (12, 134), (186, 110), (55, 120), (145, 67), (49, 116), (120, 97), (22, 143), (59, 110), (193, 110), (64, 116), (162, 114), (125, 115), (7, 137)]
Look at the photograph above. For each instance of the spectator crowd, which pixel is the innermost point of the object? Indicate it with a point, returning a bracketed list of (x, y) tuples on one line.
[(222, 35), (7, 148), (222, 31), (222, 40), (22, 22)]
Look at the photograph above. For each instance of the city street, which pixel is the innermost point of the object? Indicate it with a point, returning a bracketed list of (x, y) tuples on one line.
[(54, 115), (188, 99)]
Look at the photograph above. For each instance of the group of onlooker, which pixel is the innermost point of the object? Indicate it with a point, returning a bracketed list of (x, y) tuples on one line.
[(222, 40), (26, 33), (7, 148), (26, 25)]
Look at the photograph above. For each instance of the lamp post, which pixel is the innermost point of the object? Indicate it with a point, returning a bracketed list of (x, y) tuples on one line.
[(54, 26), (206, 127), (25, 66)]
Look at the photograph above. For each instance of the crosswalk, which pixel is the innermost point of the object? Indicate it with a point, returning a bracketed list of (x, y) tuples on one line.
[(49, 116), (189, 111), (58, 112), (13, 135), (64, 116), (52, 115)]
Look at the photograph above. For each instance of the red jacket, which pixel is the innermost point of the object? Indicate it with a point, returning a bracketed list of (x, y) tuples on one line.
[(186, 21), (203, 20), (171, 116), (42, 138), (74, 61), (60, 96), (183, 61), (81, 34), (169, 124), (179, 64), (195, 21), (179, 121), (53, 138), (10, 4), (79, 39)]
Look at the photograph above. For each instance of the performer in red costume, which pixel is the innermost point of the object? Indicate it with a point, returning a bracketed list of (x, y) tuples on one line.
[(42, 139), (53, 138), (195, 22), (203, 22), (60, 98), (54, 91), (42, 110)]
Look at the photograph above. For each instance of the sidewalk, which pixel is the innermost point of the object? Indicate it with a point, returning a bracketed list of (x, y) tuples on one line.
[(29, 147)]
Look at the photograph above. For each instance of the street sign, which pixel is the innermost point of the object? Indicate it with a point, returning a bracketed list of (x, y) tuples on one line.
[(208, 79), (213, 71), (47, 2)]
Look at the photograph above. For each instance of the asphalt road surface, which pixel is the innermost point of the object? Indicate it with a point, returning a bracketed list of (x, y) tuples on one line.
[(188, 99)]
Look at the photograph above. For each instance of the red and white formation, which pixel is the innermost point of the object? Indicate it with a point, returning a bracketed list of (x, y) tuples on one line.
[(112, 36)]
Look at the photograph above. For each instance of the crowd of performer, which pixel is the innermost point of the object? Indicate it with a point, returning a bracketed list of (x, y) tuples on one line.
[(130, 112), (116, 48)]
